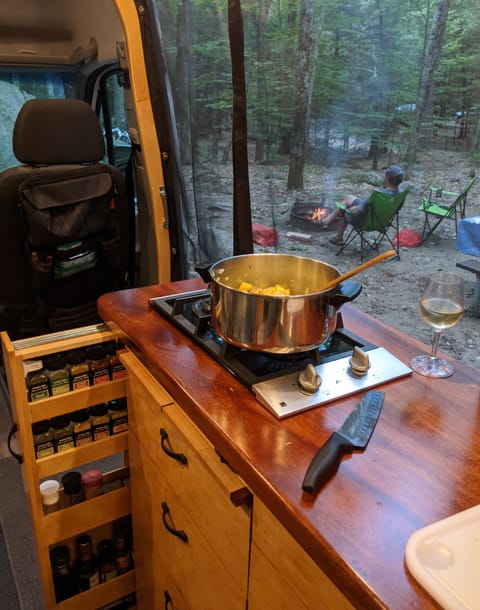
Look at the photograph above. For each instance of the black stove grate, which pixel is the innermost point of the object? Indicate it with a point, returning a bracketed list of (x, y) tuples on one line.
[(191, 312)]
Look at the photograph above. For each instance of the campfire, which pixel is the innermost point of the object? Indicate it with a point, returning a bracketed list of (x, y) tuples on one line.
[(308, 215)]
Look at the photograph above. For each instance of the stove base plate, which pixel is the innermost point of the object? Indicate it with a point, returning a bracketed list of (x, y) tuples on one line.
[(283, 396)]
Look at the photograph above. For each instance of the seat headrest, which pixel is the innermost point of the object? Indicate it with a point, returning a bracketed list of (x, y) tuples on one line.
[(57, 132)]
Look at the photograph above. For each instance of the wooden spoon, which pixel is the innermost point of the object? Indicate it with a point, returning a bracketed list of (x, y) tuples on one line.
[(373, 261)]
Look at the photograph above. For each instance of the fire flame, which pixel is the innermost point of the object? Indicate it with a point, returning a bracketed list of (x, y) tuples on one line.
[(318, 214)]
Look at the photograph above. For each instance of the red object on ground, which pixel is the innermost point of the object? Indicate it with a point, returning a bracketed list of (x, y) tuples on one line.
[(408, 238), (264, 236)]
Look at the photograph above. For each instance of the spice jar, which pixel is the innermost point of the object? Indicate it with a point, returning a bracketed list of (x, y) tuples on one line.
[(117, 370), (117, 410), (98, 364), (50, 492), (64, 580), (100, 421), (92, 483), (62, 433), (38, 385), (73, 488), (78, 369), (58, 376), (81, 427), (43, 439)]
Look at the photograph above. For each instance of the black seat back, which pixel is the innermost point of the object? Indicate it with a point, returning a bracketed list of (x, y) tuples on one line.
[(64, 234)]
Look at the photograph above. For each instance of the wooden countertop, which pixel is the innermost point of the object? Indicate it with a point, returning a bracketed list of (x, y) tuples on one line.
[(422, 463)]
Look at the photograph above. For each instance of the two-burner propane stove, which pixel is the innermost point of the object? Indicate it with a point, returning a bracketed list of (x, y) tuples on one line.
[(285, 383)]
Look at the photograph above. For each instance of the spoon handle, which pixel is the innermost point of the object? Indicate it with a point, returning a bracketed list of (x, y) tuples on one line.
[(359, 269)]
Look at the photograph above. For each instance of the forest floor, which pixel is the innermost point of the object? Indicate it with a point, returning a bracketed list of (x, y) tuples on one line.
[(391, 289)]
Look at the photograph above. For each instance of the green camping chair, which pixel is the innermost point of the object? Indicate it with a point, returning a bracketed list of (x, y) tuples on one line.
[(381, 223), (442, 204)]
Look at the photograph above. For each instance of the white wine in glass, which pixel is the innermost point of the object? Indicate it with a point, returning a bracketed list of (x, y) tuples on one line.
[(441, 306)]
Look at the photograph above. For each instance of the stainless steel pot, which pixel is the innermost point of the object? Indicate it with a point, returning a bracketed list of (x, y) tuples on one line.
[(276, 324)]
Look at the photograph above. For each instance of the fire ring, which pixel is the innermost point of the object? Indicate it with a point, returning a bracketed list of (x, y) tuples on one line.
[(309, 216)]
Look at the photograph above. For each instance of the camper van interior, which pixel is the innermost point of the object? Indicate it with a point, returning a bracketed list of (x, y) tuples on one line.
[(194, 413)]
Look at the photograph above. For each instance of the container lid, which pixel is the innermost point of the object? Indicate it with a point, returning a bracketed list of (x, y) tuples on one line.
[(60, 421), (118, 405), (55, 362), (60, 555), (99, 410), (72, 482), (76, 356), (50, 491), (80, 416), (92, 478), (110, 347), (40, 427), (96, 352)]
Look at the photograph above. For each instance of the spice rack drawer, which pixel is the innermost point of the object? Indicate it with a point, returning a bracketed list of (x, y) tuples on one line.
[(77, 399), (100, 595), (91, 452), (87, 515)]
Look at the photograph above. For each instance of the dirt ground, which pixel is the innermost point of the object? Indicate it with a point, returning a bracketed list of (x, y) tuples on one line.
[(391, 289)]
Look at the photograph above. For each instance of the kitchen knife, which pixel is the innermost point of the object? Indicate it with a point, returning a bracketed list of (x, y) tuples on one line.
[(353, 434)]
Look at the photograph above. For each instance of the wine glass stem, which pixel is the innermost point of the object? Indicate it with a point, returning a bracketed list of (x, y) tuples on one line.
[(436, 339)]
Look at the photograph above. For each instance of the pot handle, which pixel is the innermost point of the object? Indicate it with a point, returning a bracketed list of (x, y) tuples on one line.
[(203, 271), (347, 291)]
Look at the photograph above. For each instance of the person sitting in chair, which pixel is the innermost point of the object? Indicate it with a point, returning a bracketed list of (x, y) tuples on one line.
[(353, 211)]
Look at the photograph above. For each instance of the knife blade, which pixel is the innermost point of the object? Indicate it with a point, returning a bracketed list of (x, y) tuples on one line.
[(354, 433)]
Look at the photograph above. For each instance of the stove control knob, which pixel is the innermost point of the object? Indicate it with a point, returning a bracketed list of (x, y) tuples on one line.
[(359, 362), (309, 380)]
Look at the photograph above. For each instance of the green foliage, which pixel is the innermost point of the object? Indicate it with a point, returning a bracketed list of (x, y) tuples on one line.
[(368, 63)]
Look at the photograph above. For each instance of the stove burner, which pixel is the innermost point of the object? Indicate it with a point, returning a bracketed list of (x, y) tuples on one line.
[(274, 378)]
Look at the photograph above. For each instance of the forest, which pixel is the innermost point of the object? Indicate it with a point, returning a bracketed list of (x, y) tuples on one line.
[(325, 79)]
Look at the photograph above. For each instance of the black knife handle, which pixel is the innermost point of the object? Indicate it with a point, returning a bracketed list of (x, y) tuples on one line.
[(325, 463)]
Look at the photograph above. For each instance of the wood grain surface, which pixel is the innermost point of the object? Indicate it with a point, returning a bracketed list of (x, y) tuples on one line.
[(421, 465)]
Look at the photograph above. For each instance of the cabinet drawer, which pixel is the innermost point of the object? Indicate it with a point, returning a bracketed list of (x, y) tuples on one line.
[(154, 582), (201, 482), (281, 570), (193, 560)]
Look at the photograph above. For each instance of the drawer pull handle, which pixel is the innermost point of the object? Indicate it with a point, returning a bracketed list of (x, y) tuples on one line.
[(180, 457), (168, 600), (178, 533)]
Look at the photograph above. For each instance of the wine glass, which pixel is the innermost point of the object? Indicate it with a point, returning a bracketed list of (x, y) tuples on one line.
[(441, 306)]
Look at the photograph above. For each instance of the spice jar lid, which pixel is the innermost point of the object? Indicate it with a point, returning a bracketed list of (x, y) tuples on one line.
[(99, 410), (96, 352), (92, 478), (40, 427), (118, 405), (55, 362), (50, 492), (80, 416), (60, 421), (60, 556), (76, 356), (110, 347), (72, 482)]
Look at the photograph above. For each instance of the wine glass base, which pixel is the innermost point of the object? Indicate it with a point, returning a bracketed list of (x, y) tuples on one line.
[(431, 366)]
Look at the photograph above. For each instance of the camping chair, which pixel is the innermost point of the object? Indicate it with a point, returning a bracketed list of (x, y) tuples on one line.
[(381, 217), (442, 204)]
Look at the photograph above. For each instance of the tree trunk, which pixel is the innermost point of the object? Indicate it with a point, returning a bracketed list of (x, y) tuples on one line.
[(427, 78), (304, 66)]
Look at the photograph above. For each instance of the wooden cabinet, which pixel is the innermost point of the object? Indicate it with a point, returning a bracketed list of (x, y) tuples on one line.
[(93, 516), (282, 575), (191, 536)]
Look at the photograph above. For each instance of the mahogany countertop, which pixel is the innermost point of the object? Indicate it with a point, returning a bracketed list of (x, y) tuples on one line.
[(422, 463)]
